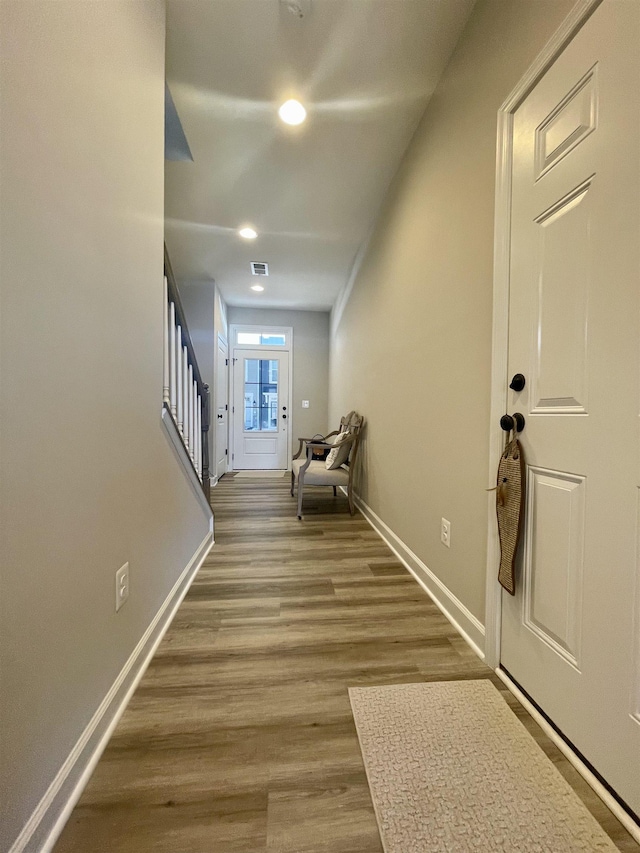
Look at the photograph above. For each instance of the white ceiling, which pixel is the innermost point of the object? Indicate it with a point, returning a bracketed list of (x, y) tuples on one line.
[(364, 69)]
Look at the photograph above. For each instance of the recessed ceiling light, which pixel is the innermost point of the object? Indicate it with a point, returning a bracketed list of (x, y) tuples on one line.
[(292, 112), (257, 287), (248, 233)]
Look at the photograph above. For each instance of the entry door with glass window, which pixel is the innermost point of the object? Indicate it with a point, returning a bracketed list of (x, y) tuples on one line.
[(260, 409)]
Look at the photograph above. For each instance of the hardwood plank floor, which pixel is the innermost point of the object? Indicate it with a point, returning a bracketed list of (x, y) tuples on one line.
[(240, 737)]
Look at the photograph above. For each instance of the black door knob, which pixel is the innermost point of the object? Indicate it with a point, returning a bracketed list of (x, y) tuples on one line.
[(518, 382), (284, 417), (507, 422)]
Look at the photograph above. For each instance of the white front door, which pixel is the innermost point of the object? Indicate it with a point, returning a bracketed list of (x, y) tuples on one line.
[(221, 407), (261, 409), (570, 635)]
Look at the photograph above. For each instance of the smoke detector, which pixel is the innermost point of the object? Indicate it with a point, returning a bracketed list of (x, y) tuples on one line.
[(298, 8), (259, 268)]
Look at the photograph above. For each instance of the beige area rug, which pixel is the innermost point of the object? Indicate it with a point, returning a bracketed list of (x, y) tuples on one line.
[(259, 475), (451, 770)]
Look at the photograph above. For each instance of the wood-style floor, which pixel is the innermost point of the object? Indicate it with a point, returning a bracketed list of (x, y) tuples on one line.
[(240, 737)]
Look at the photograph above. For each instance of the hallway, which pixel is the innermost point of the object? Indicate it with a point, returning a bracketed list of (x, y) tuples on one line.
[(240, 737)]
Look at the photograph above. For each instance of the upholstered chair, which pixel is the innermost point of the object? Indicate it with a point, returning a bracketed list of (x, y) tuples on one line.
[(337, 469)]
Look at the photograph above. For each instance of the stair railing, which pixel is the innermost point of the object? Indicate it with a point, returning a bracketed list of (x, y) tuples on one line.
[(184, 395)]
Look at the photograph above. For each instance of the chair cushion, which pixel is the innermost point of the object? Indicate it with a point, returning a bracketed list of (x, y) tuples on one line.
[(318, 475), (338, 455)]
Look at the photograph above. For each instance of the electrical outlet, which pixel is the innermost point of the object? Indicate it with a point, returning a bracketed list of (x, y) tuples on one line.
[(445, 532), (305, 404), (122, 585)]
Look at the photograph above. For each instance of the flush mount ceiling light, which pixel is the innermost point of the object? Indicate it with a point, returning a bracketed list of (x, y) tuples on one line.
[(248, 233), (257, 287), (292, 112)]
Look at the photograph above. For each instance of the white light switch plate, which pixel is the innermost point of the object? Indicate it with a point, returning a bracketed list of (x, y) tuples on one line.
[(305, 404)]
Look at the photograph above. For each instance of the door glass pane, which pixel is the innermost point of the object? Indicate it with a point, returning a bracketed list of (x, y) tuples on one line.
[(260, 394), (248, 338), (272, 340)]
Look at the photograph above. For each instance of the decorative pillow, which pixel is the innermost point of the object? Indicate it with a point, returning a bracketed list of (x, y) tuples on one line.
[(339, 455)]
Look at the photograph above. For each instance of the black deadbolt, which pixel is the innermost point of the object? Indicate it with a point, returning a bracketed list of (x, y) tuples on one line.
[(518, 382), (285, 417)]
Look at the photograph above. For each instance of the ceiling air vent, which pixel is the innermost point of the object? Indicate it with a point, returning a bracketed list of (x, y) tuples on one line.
[(259, 269)]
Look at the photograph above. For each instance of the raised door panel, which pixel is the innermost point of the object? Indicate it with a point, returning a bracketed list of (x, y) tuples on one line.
[(256, 446), (571, 121), (554, 560), (560, 343)]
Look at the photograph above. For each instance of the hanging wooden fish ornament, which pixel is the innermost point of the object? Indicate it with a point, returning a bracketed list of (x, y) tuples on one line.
[(510, 489)]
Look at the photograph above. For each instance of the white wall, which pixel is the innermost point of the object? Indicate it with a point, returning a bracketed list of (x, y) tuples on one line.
[(88, 479), (310, 363), (412, 348)]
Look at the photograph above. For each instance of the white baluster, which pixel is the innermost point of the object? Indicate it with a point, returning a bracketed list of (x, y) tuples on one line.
[(186, 394), (192, 410), (195, 423), (191, 429), (194, 446), (165, 346), (199, 434), (174, 348), (177, 368)]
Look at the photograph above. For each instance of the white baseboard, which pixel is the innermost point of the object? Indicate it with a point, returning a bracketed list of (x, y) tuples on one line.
[(52, 812), (590, 778), (462, 619)]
